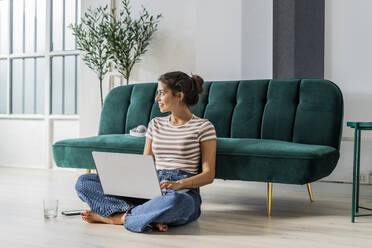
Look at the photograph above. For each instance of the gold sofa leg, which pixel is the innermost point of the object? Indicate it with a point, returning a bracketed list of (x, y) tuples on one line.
[(310, 192), (269, 193)]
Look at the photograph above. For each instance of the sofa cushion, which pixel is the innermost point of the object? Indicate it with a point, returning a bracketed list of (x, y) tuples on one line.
[(220, 107), (273, 161), (77, 153), (279, 112), (250, 103), (315, 114), (237, 158)]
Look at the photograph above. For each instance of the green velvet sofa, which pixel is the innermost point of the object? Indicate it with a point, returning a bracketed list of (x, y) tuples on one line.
[(274, 131)]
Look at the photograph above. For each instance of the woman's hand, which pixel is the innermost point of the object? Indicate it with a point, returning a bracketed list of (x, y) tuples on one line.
[(174, 185)]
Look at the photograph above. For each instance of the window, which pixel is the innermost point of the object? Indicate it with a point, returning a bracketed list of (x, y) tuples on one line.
[(34, 58), (64, 73)]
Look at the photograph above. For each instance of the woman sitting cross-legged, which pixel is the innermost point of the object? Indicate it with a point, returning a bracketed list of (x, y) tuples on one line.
[(182, 145)]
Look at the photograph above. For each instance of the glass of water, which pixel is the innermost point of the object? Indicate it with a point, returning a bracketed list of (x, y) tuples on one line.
[(50, 207)]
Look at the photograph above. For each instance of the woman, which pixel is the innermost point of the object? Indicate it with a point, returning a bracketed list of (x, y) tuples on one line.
[(182, 144)]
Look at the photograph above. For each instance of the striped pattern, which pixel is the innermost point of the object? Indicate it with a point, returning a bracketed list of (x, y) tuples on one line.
[(178, 147)]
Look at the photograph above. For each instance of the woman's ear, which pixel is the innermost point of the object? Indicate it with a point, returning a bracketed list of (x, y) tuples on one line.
[(181, 96)]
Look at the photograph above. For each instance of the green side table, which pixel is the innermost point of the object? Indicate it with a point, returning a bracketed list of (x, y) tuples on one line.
[(358, 127)]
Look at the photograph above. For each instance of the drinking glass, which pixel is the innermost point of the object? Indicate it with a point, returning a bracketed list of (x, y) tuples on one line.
[(50, 207)]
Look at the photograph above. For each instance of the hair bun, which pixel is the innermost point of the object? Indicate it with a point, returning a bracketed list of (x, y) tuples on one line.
[(198, 83)]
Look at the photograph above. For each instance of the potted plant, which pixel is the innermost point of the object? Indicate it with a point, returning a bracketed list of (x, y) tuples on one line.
[(105, 38), (128, 38), (90, 38)]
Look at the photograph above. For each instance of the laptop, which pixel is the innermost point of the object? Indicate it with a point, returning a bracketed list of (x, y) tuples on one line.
[(130, 175)]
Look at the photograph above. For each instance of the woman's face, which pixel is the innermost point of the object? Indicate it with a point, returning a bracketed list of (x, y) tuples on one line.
[(167, 101)]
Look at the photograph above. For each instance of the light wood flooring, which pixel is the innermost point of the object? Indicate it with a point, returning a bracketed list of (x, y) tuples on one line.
[(233, 215)]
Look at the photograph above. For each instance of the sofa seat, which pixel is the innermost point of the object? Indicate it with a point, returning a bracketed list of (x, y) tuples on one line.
[(77, 153), (274, 161), (253, 159)]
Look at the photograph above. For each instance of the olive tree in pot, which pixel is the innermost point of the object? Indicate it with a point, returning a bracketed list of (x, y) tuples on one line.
[(90, 38), (128, 38), (105, 38)]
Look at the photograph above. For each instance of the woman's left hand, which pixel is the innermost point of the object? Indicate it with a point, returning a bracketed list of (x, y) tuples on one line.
[(174, 185)]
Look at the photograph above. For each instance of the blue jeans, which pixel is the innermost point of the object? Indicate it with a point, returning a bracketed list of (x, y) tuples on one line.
[(173, 208)]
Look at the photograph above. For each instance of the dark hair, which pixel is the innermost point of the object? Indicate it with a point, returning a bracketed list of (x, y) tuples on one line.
[(178, 81)]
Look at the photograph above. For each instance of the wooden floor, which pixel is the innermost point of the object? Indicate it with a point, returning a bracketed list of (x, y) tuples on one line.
[(233, 215)]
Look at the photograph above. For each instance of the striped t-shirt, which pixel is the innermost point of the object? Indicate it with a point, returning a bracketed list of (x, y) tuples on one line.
[(178, 147)]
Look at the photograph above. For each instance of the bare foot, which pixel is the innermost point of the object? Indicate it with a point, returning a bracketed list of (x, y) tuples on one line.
[(115, 219), (91, 217)]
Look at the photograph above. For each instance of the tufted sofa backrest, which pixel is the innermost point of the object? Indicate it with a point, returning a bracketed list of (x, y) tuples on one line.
[(306, 111)]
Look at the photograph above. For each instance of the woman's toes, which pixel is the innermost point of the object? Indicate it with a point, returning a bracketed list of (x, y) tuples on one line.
[(162, 227), (89, 216), (85, 213)]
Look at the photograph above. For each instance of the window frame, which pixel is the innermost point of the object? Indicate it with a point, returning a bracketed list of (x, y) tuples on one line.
[(48, 53)]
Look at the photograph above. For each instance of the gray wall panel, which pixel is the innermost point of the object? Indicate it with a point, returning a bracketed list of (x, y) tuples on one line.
[(298, 39)]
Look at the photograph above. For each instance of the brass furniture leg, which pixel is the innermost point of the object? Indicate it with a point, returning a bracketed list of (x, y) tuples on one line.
[(310, 192), (269, 193)]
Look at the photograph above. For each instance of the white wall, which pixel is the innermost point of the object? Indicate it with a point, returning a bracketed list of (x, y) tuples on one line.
[(348, 55), (173, 46), (257, 39), (212, 38), (24, 141), (219, 39)]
